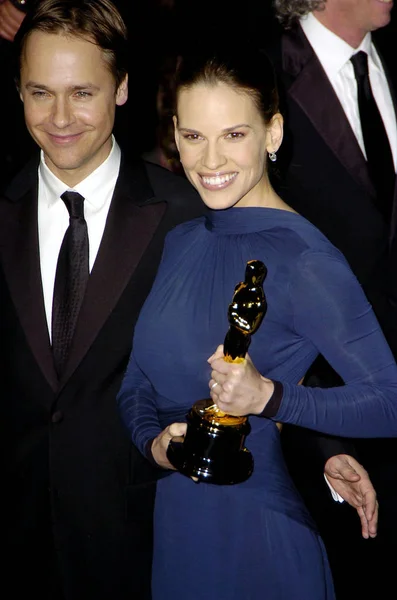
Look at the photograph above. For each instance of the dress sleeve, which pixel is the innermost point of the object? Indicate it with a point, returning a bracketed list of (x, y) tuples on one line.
[(331, 310), (137, 405)]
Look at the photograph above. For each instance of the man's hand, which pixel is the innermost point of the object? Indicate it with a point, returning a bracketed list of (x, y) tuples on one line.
[(351, 481), (10, 20)]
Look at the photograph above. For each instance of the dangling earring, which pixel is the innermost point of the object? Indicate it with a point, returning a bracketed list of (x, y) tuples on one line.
[(273, 156)]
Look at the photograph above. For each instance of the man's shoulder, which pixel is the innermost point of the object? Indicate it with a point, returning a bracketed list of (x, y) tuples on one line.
[(147, 183), (290, 53), (169, 185), (182, 199), (23, 181)]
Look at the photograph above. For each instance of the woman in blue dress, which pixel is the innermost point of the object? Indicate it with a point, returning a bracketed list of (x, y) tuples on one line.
[(254, 540)]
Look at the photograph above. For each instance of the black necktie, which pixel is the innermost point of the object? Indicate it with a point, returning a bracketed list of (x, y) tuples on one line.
[(377, 146), (70, 279)]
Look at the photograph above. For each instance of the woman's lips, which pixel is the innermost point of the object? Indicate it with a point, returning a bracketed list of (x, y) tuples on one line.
[(218, 181)]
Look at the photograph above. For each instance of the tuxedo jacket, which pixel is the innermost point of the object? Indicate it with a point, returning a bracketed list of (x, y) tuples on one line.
[(70, 475), (322, 173)]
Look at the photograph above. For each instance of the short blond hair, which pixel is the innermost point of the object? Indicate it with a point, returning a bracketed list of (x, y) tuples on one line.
[(96, 20)]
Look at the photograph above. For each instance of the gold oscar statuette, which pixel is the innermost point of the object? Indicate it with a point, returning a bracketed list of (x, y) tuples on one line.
[(213, 448)]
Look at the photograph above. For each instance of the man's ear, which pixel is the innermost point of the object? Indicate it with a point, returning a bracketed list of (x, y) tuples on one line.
[(122, 92), (176, 132), (275, 132)]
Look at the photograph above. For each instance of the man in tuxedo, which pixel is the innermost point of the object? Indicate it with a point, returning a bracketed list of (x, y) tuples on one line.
[(325, 172), (337, 168), (77, 496)]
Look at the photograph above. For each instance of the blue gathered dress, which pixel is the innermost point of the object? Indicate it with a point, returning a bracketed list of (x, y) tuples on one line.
[(254, 540)]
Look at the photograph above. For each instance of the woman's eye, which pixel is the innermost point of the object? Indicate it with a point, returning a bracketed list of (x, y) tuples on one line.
[(191, 136), (235, 135)]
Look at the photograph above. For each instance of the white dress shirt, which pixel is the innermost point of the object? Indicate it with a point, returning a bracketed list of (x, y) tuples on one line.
[(53, 217), (334, 55)]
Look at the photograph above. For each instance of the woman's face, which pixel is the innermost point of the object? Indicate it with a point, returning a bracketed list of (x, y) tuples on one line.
[(223, 144)]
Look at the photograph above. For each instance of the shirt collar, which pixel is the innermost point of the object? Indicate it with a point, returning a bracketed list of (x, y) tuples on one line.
[(332, 52), (91, 188)]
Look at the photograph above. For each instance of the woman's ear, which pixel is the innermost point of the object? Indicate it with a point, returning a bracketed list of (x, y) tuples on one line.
[(275, 132)]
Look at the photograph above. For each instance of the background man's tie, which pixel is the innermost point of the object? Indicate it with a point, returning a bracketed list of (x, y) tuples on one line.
[(377, 146), (70, 281)]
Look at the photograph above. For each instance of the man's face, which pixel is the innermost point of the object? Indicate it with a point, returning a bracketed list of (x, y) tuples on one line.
[(353, 19), (69, 97)]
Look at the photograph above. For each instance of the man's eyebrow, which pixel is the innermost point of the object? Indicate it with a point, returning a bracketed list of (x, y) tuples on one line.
[(72, 88), (33, 84)]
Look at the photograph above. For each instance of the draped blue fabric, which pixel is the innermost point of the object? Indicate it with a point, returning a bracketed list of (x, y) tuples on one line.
[(253, 540)]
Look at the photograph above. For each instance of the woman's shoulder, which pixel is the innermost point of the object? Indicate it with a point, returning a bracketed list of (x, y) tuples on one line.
[(300, 252), (292, 235), (319, 260), (311, 238)]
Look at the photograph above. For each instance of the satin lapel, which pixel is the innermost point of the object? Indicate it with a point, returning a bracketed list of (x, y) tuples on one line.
[(393, 225), (20, 252), (312, 91), (129, 229), (392, 82)]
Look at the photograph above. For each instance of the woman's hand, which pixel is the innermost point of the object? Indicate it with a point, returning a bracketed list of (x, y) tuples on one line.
[(238, 388), (175, 432)]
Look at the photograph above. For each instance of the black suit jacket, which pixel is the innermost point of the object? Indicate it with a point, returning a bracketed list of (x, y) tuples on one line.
[(323, 175), (69, 471)]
